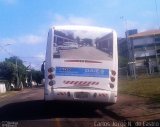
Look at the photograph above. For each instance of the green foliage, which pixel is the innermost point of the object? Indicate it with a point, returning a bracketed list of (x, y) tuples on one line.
[(8, 71), (10, 67), (37, 76), (13, 66), (13, 60), (20, 67)]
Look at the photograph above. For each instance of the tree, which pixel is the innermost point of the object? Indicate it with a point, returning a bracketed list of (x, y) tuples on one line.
[(20, 69), (88, 41), (13, 70), (37, 76), (13, 60), (8, 71)]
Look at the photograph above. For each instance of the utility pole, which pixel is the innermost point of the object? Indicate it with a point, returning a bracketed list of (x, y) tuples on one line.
[(31, 73), (29, 70), (17, 77)]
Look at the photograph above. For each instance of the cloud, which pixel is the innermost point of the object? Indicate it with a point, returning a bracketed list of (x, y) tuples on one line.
[(25, 39), (37, 61), (6, 41), (132, 24), (30, 39), (148, 14), (72, 20), (40, 56), (80, 20), (140, 26)]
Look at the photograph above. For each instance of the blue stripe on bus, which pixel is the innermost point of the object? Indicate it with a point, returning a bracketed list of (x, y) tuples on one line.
[(83, 72)]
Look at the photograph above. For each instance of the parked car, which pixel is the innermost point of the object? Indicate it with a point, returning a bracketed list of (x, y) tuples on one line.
[(65, 46), (74, 46)]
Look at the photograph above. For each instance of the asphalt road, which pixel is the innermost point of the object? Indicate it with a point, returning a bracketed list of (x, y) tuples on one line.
[(27, 109), (85, 53)]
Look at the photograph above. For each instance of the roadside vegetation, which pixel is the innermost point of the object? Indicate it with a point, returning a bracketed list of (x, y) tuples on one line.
[(16, 75), (146, 87)]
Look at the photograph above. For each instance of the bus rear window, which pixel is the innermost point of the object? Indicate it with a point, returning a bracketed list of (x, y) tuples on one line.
[(82, 44)]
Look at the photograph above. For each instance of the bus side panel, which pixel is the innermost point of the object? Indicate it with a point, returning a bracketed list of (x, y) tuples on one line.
[(114, 92), (48, 60)]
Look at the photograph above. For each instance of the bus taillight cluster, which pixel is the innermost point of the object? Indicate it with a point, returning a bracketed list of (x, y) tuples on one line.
[(112, 79), (51, 76), (113, 72)]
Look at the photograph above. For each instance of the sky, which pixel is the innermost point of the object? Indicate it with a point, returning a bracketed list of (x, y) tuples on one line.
[(24, 24)]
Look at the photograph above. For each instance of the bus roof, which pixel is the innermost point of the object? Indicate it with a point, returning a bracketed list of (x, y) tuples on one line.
[(78, 27)]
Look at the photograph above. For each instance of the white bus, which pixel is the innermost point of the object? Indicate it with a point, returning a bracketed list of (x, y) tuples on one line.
[(88, 73)]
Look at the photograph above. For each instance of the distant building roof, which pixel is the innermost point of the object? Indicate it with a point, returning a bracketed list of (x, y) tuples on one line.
[(146, 33)]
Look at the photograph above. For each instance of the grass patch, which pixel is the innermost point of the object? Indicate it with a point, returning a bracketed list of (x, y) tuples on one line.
[(147, 87)]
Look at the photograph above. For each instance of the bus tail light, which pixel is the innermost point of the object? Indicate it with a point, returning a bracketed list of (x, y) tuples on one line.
[(113, 72), (51, 76), (111, 85), (52, 82), (112, 79), (51, 69)]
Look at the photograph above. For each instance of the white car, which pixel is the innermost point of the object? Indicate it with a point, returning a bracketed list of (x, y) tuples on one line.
[(74, 46), (63, 47), (68, 45)]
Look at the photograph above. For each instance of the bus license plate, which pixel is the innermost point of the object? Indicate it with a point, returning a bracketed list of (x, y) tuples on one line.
[(81, 95)]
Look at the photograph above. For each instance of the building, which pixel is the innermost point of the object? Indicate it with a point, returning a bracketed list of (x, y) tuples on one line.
[(123, 53), (122, 43), (144, 51), (122, 47), (123, 50), (105, 44)]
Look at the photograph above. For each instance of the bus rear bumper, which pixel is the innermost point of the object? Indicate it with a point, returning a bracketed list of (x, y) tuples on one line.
[(79, 95)]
